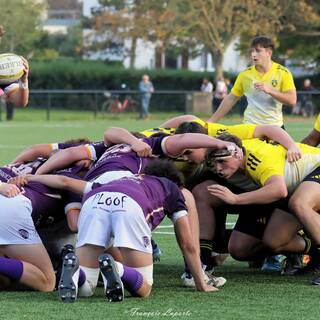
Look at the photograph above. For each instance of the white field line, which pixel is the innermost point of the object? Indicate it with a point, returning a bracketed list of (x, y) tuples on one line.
[(231, 224)]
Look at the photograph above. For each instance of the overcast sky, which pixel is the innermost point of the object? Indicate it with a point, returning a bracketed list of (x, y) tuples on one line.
[(87, 4)]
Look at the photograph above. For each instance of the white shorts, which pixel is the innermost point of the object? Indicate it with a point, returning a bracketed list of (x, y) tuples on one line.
[(112, 175), (107, 215), (16, 224)]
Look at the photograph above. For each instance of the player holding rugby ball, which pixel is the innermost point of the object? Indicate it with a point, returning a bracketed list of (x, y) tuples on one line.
[(14, 71)]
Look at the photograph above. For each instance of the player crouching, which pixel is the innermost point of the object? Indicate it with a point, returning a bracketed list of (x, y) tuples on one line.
[(126, 211)]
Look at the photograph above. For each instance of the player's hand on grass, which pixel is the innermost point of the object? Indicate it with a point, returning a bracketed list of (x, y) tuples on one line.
[(294, 153), (223, 193), (9, 190), (207, 288), (142, 149)]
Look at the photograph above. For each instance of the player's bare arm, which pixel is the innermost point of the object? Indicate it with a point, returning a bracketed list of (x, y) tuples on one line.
[(33, 152), (226, 105), (64, 158), (276, 133), (287, 98), (175, 145), (176, 121), (118, 135), (274, 189), (190, 253)]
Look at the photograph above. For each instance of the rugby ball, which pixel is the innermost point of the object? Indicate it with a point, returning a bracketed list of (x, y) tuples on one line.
[(11, 68)]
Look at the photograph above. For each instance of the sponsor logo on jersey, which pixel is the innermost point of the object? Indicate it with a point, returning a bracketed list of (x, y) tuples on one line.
[(274, 83), (24, 233), (146, 241)]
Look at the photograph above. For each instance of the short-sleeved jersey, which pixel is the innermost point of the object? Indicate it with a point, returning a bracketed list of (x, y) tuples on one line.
[(265, 159), (16, 169), (120, 157), (317, 123), (50, 205), (150, 132), (156, 196), (243, 131), (262, 108)]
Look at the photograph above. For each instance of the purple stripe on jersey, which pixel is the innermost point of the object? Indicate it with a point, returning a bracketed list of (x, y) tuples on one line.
[(11, 268), (121, 157)]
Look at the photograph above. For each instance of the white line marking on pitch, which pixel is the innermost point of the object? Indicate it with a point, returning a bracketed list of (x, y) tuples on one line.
[(230, 224)]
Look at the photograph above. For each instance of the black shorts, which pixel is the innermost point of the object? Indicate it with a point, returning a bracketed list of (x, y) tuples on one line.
[(313, 176), (253, 219)]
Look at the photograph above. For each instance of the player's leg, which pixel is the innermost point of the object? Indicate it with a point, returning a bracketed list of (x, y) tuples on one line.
[(305, 204), (25, 259), (281, 234), (28, 264), (187, 278), (132, 236), (207, 206), (245, 243)]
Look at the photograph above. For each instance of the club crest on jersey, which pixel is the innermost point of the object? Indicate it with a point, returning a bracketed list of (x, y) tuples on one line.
[(146, 241), (274, 83), (24, 233)]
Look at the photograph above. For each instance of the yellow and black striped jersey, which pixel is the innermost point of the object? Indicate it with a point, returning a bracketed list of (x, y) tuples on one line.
[(265, 159)]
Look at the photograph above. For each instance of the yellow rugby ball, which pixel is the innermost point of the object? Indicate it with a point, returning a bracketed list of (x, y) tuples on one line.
[(11, 68)]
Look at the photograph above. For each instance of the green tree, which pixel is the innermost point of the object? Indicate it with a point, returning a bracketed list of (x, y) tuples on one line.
[(21, 21), (218, 23)]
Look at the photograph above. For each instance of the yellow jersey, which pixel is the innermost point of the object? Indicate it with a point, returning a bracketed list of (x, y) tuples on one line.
[(317, 123), (263, 108), (264, 159), (150, 132), (242, 131)]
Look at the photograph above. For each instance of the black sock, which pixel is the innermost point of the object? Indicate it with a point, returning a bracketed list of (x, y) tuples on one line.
[(206, 251)]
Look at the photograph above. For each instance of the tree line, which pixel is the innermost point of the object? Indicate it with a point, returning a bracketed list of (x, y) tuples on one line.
[(181, 27)]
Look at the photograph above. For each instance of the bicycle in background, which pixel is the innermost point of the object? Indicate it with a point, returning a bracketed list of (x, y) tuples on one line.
[(113, 104)]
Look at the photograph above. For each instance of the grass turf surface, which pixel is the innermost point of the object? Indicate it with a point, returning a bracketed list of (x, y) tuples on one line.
[(248, 294)]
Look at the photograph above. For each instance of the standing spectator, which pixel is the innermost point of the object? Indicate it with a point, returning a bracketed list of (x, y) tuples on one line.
[(267, 86), (220, 92), (306, 109), (206, 85), (146, 89)]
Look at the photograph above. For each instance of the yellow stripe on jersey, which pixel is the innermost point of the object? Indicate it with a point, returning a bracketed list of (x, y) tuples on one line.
[(262, 108), (150, 132), (317, 124), (267, 158)]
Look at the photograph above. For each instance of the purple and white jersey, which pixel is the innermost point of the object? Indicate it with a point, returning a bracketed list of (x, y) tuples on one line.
[(120, 157), (156, 196), (50, 205), (17, 169)]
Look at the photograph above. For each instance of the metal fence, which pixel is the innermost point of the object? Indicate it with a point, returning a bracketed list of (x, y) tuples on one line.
[(108, 101), (102, 101)]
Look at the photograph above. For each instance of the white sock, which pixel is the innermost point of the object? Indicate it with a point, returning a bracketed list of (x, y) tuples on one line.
[(87, 289), (120, 268)]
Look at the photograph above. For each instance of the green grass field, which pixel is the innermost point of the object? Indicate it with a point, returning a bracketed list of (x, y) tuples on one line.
[(248, 294)]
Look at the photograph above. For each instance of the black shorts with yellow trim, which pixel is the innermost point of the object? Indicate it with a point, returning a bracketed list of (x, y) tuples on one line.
[(313, 176), (253, 219)]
